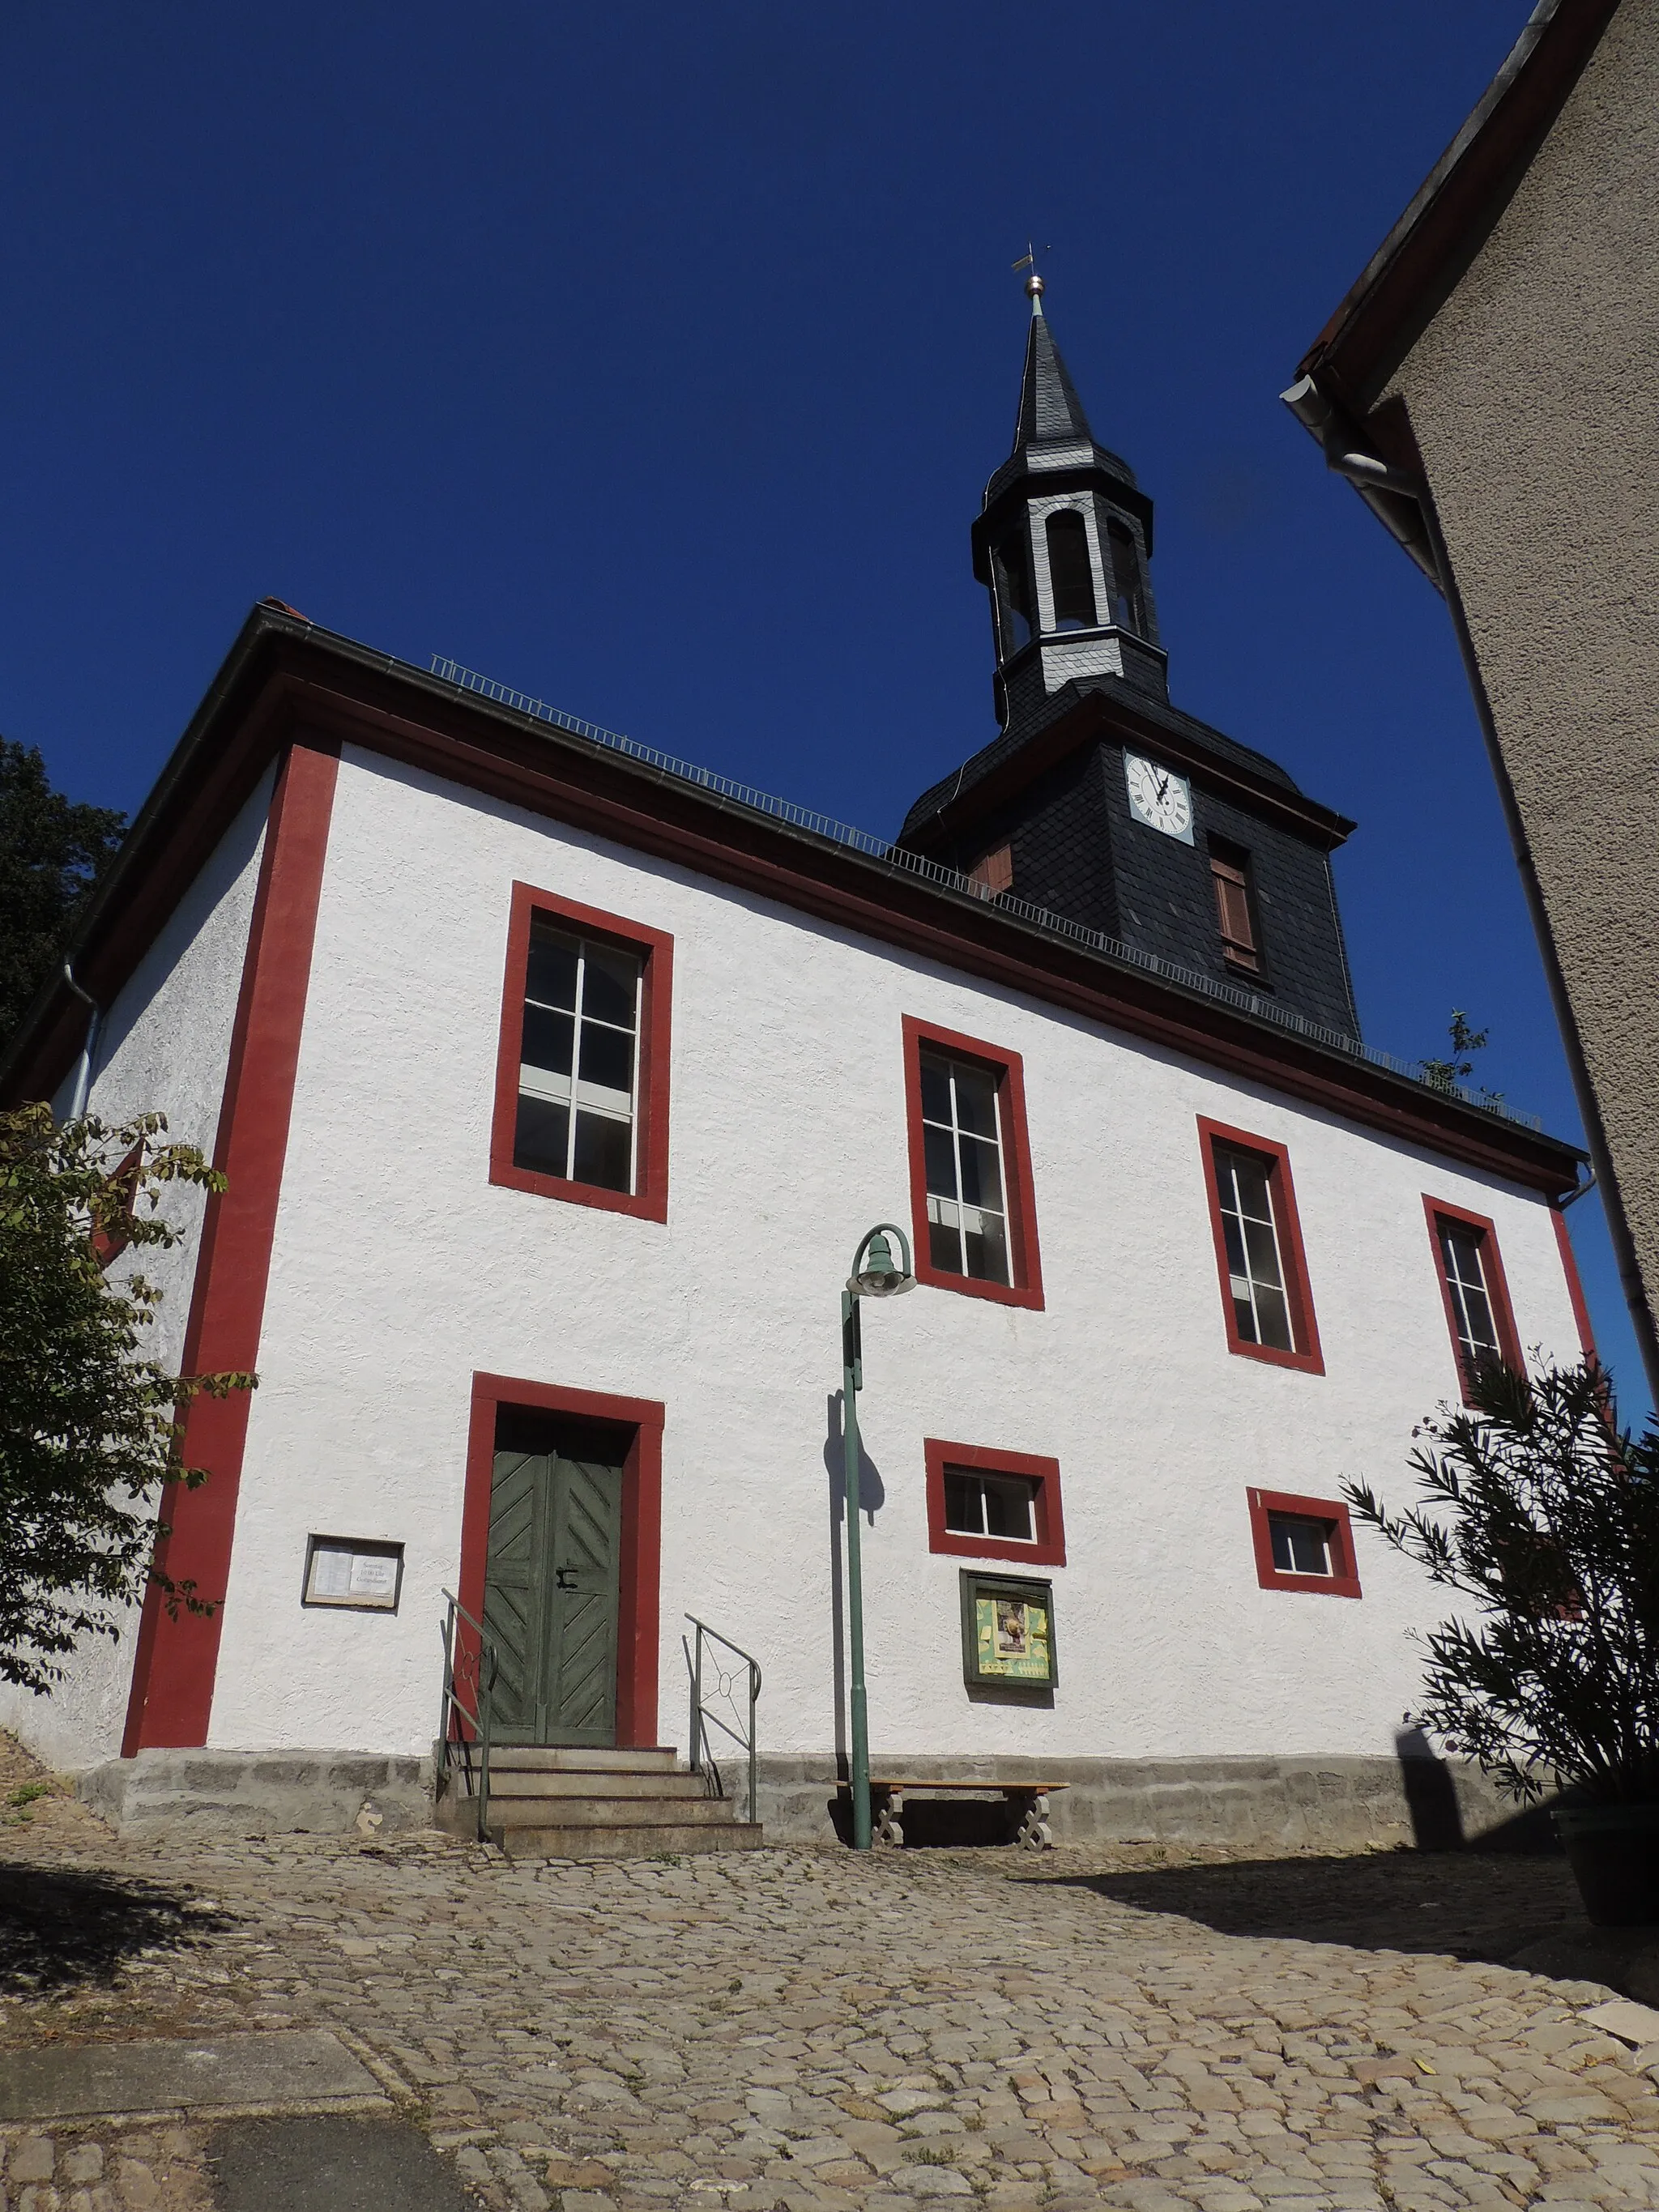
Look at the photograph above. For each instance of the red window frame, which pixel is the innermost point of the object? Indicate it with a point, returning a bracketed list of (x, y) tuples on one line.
[(1050, 1548), (1298, 1296), (1344, 1583), (648, 1201), (1023, 1258), (1435, 1210)]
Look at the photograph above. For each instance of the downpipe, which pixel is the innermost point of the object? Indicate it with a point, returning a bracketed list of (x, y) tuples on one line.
[(82, 1090)]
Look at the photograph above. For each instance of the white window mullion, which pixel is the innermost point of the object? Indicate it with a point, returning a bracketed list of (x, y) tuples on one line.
[(962, 1194), (575, 1061), (633, 1092)]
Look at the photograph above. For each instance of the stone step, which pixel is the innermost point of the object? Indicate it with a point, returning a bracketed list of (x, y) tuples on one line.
[(635, 1841), (579, 1758), (595, 1811), (550, 1781)]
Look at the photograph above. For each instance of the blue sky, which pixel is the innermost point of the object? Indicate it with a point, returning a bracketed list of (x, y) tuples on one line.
[(653, 360)]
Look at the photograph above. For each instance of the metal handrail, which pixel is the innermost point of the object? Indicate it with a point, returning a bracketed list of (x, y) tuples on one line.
[(454, 1711), (702, 1760)]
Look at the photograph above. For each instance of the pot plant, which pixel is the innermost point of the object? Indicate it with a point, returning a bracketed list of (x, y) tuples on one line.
[(1541, 1513)]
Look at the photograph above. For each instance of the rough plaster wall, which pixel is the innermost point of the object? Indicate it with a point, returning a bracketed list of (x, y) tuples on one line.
[(399, 1270), (1534, 397), (164, 1047)]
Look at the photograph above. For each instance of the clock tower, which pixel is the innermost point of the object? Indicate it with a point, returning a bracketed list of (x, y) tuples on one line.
[(1099, 801)]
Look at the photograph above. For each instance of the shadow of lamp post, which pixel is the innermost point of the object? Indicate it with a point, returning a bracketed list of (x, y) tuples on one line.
[(873, 1276)]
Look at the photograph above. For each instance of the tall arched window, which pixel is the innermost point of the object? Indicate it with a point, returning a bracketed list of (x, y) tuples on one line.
[(1128, 595), (1016, 606), (1070, 576)]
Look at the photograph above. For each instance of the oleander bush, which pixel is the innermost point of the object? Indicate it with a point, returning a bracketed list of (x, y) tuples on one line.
[(1543, 1513)]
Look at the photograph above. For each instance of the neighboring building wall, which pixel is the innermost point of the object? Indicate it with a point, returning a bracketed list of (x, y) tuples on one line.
[(399, 1271), (164, 1048), (1534, 394)]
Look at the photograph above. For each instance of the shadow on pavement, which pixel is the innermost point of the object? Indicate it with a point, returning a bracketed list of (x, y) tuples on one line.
[(61, 1929), (1470, 1903), (330, 2163)]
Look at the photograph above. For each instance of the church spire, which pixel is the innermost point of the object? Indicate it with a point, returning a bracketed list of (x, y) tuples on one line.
[(1050, 411), (1063, 543)]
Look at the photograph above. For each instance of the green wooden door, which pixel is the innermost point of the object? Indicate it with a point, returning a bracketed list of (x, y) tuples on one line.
[(551, 1586)]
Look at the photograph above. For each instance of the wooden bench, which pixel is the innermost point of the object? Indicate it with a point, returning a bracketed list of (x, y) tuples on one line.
[(1027, 1803)]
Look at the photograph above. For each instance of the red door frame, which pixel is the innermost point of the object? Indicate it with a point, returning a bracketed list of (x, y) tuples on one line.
[(641, 1527)]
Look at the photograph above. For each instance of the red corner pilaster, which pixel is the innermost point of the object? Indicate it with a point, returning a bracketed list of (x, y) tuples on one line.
[(1575, 1286), (175, 1661)]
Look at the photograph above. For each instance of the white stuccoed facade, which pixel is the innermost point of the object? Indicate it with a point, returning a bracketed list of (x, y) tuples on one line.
[(399, 1271)]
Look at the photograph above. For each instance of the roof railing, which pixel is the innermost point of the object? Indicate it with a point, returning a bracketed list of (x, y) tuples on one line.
[(726, 788)]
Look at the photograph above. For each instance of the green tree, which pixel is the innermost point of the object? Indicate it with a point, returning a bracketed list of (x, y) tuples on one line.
[(1544, 1514), (52, 853), (89, 1428), (1447, 1074)]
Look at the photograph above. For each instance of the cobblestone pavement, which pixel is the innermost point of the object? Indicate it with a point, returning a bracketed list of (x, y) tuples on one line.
[(805, 2029), (77, 2169)]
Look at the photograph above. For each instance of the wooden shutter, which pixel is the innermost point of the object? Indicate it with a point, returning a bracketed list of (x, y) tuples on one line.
[(1232, 901), (993, 872)]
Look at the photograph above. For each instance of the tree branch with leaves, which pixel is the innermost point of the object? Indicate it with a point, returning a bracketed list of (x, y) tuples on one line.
[(90, 1429)]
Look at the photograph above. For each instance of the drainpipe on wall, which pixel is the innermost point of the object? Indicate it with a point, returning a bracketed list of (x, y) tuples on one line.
[(1404, 504), (94, 1028)]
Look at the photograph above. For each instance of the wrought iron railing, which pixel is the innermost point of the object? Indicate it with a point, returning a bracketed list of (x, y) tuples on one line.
[(470, 1666), (735, 1691)]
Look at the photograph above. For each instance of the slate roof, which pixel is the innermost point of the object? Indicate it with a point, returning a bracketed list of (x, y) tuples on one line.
[(1147, 708), (1051, 419)]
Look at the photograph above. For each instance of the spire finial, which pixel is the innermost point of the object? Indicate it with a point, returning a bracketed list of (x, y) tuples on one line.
[(1035, 287)]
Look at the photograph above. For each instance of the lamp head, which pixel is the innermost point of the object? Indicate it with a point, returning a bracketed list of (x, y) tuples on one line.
[(879, 1278)]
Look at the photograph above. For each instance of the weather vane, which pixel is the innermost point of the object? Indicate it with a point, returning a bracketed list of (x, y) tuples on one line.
[(1034, 284)]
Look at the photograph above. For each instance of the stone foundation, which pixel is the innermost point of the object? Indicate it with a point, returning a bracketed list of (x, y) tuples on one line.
[(259, 1793), (1265, 1804), (1269, 1805)]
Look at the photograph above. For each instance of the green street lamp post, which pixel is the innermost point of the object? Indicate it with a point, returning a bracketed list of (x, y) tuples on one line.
[(873, 1276)]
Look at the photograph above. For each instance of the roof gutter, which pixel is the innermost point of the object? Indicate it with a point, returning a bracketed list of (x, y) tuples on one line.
[(1393, 496)]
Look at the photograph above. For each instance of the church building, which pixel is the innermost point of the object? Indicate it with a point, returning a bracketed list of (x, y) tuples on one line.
[(556, 1083)]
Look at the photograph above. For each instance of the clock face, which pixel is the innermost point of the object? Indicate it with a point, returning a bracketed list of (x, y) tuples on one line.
[(1159, 798)]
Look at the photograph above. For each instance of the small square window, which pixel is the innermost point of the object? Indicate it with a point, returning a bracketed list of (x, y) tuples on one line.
[(1303, 1544), (1002, 1505), (1300, 1548), (987, 1505)]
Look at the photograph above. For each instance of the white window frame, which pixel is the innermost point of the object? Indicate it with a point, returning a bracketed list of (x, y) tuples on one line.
[(954, 1213), (1457, 1288), (979, 1477), (1230, 1200), (569, 1091), (1325, 1542)]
